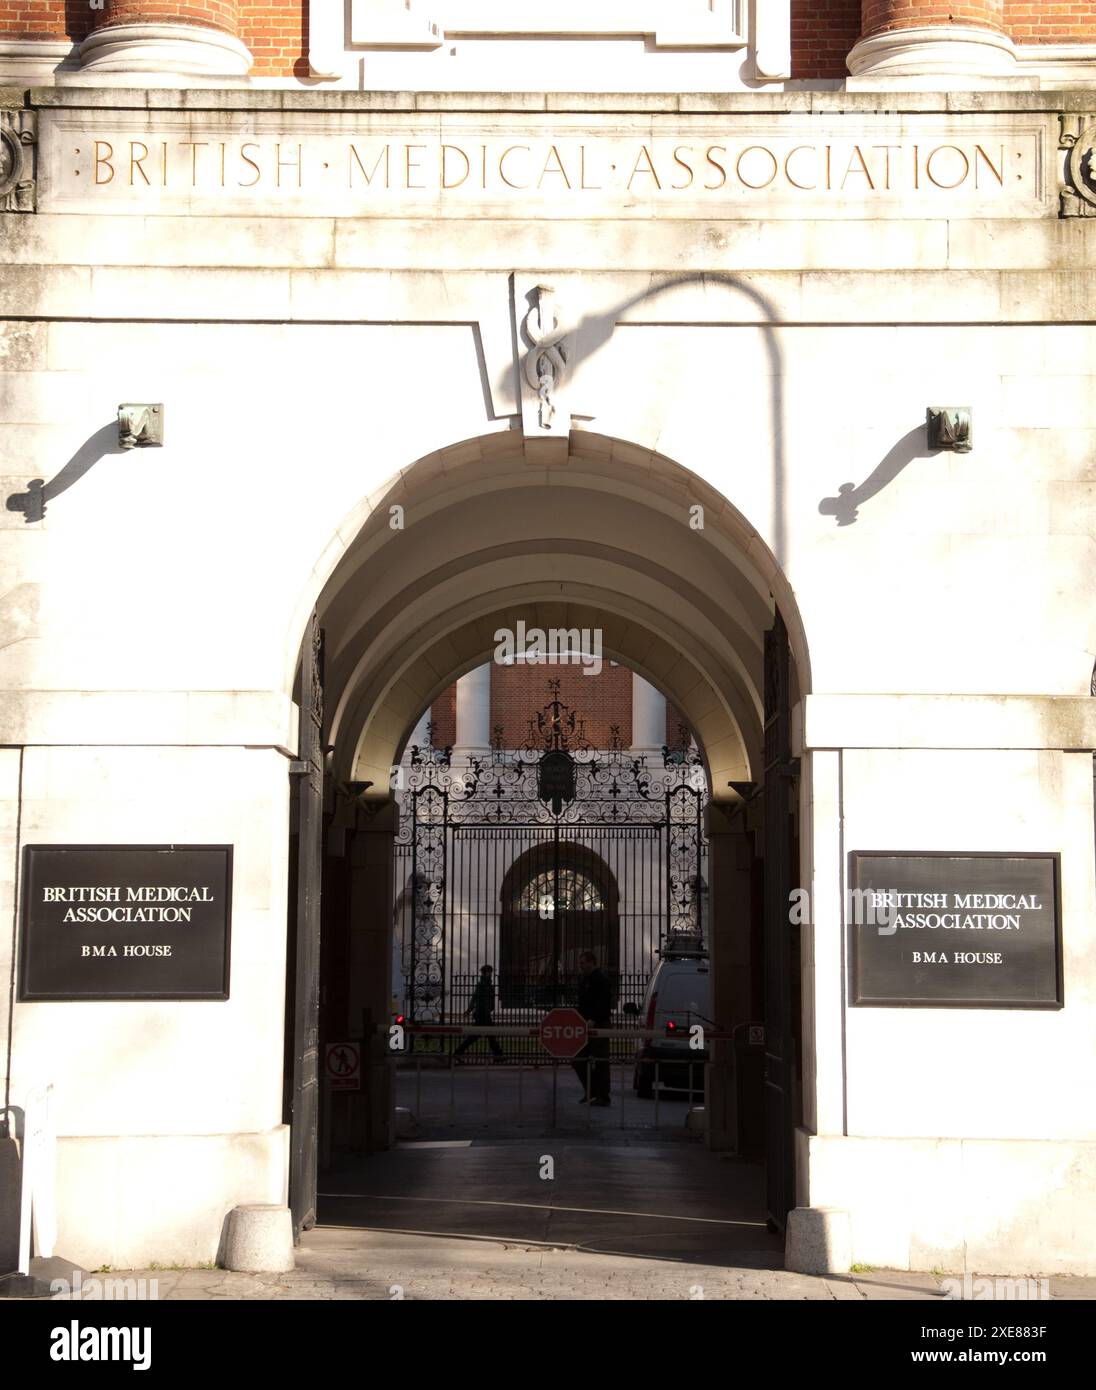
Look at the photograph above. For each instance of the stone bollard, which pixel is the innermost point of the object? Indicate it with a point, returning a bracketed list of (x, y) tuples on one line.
[(259, 1239), (818, 1241)]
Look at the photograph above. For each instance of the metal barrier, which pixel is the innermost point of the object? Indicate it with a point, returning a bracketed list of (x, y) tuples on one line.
[(526, 1093)]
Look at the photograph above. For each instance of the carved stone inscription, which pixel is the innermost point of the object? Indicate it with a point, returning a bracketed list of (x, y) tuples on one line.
[(381, 165)]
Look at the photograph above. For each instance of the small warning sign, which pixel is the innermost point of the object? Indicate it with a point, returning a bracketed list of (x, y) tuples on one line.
[(342, 1066)]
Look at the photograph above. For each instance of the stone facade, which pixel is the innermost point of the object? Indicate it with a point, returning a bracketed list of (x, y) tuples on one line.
[(656, 363)]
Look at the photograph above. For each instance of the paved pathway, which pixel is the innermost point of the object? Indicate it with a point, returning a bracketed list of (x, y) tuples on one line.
[(510, 1190), (341, 1264)]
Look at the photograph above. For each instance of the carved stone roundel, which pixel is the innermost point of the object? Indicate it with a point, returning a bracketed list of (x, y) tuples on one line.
[(11, 160), (1082, 164)]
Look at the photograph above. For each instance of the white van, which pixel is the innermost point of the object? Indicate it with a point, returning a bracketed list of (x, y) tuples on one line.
[(679, 995)]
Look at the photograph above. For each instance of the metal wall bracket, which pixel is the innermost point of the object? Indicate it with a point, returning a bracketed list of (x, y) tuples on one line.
[(140, 426), (950, 427)]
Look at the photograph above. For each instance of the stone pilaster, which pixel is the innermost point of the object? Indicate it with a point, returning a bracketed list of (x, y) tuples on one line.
[(648, 716), (474, 709)]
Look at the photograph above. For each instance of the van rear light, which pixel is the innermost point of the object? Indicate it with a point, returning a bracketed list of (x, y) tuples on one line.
[(651, 1010), (671, 1027)]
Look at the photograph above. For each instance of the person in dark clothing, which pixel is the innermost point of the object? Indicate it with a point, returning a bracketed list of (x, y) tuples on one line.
[(595, 1004), (482, 1009)]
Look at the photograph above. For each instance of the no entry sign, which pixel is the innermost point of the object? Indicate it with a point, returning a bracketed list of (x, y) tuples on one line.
[(563, 1032), (343, 1066)]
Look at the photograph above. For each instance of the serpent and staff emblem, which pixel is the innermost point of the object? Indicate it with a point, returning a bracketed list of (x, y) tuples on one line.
[(546, 362)]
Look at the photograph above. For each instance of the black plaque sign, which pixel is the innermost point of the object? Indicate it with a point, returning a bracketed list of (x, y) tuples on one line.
[(125, 922), (955, 930)]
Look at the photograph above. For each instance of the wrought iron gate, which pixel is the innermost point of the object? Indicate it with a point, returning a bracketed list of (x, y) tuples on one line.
[(525, 858)]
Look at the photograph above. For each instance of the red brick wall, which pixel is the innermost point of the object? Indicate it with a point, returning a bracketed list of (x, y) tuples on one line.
[(221, 14), (519, 691), (45, 19), (823, 32), (881, 15), (1035, 21), (275, 31), (443, 712), (675, 720)]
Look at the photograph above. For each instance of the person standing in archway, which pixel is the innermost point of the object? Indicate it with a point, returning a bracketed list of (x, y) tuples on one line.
[(595, 1004), (482, 1009)]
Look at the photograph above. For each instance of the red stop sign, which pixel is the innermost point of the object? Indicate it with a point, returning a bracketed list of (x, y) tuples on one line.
[(563, 1032)]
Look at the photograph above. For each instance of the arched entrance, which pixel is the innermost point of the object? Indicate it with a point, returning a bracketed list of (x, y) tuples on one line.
[(558, 899), (678, 586)]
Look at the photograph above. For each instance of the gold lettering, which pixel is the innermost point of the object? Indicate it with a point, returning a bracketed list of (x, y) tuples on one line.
[(195, 146), (102, 160), (886, 161), (135, 161), (687, 167), (369, 174), (787, 168), (502, 165), (916, 166), (483, 166), (280, 164), (582, 170), (738, 166), (962, 177), (998, 173), (446, 150), (411, 166), (553, 153), (248, 160), (858, 155), (222, 164), (716, 165), (163, 163)]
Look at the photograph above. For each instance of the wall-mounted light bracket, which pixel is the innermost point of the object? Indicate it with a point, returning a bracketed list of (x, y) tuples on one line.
[(140, 426), (950, 427)]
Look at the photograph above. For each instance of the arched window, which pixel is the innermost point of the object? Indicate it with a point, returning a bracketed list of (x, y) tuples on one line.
[(573, 893)]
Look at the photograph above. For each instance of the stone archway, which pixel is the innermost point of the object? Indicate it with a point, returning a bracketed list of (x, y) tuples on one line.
[(465, 543)]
